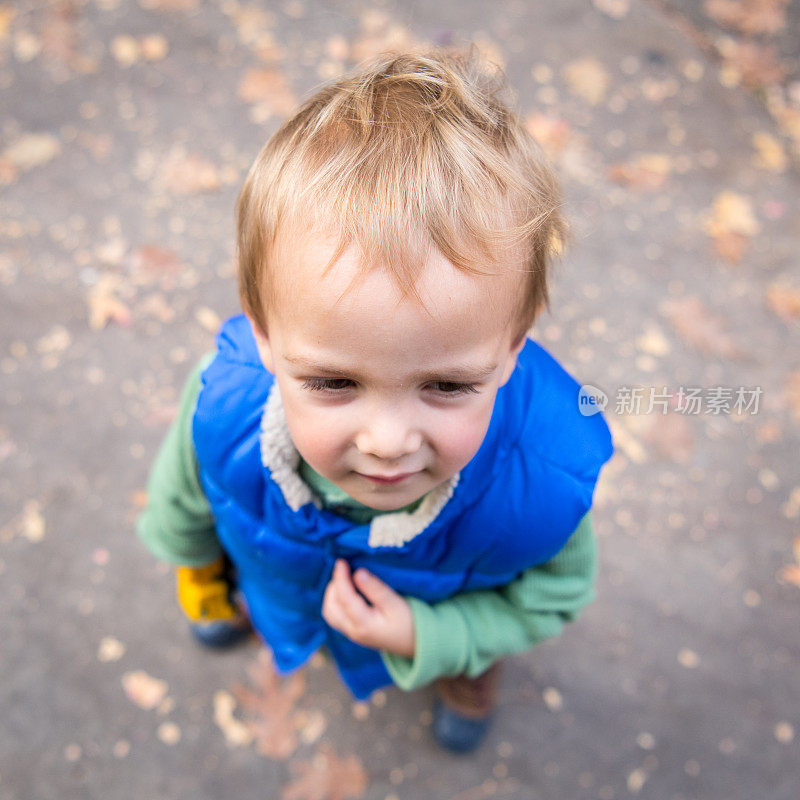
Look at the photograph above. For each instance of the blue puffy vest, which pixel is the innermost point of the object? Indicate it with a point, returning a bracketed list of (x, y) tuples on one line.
[(513, 506)]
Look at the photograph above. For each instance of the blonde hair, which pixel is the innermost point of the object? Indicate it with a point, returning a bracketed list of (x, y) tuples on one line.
[(415, 150)]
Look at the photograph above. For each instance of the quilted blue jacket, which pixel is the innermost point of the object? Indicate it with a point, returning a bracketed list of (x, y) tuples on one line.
[(512, 507)]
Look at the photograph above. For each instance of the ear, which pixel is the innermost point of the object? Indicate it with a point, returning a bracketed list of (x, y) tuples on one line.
[(511, 357), (263, 344)]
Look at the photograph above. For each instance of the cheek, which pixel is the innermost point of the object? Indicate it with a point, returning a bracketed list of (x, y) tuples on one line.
[(461, 433), (318, 436)]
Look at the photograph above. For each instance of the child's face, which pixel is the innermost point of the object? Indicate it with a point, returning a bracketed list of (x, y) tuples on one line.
[(383, 398)]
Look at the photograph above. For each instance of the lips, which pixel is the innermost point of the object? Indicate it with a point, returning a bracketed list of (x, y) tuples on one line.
[(387, 479)]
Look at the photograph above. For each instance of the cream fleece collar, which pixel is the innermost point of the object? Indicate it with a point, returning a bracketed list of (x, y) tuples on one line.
[(280, 457)]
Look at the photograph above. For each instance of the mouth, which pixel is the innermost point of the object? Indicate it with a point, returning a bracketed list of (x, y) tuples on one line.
[(387, 479)]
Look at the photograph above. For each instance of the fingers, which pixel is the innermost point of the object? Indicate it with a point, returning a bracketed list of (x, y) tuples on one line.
[(374, 589), (350, 601)]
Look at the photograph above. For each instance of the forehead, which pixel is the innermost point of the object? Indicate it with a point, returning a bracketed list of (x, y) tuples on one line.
[(449, 305)]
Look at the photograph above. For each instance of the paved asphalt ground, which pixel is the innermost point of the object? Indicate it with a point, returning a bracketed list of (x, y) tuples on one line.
[(127, 129)]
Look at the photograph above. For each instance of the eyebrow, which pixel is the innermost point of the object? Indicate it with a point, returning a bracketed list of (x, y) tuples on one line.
[(455, 372)]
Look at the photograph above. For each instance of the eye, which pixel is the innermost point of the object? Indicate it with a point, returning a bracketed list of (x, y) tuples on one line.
[(330, 385), (454, 389)]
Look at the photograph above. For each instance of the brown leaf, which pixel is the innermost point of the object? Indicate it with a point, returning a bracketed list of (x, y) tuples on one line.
[(791, 574), (753, 66), (7, 14), (749, 16), (267, 87), (156, 305), (731, 246), (58, 36), (784, 301), (731, 222), (105, 306), (769, 152), (379, 33), (326, 777), (187, 174), (552, 134), (8, 171), (271, 701), (671, 436), (150, 264), (699, 328), (644, 172)]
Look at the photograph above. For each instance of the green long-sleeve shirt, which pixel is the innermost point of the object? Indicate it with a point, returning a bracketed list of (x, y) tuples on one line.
[(463, 634)]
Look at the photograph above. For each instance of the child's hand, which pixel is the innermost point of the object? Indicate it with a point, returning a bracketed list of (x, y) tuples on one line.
[(385, 625)]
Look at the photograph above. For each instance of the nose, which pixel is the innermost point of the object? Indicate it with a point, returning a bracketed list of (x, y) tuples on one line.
[(386, 435)]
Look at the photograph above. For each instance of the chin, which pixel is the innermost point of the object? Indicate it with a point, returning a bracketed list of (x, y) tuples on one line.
[(382, 501)]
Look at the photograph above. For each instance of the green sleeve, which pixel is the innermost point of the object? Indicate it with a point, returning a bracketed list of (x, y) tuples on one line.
[(177, 525), (468, 632)]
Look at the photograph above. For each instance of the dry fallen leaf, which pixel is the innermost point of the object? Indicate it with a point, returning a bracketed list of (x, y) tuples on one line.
[(271, 702), (790, 574), (552, 698), (379, 33), (58, 36), (125, 49), (236, 732), (110, 649), (688, 658), (784, 301), (169, 733), (551, 133), (671, 436), (31, 150), (267, 87), (731, 223), (644, 172), (208, 318), (769, 152), (699, 328), (150, 264), (587, 78), (143, 689), (326, 777), (182, 173), (749, 16), (154, 47), (7, 14), (104, 305), (751, 65), (33, 524)]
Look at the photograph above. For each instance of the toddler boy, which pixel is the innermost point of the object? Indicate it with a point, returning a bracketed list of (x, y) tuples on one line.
[(376, 451)]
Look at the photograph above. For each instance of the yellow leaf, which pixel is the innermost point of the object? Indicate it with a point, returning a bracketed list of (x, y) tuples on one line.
[(125, 50), (6, 16), (769, 152), (784, 301), (154, 47), (587, 78), (32, 150)]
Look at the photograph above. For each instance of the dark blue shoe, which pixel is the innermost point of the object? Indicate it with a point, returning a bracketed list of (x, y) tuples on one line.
[(220, 634), (457, 733), (462, 712)]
